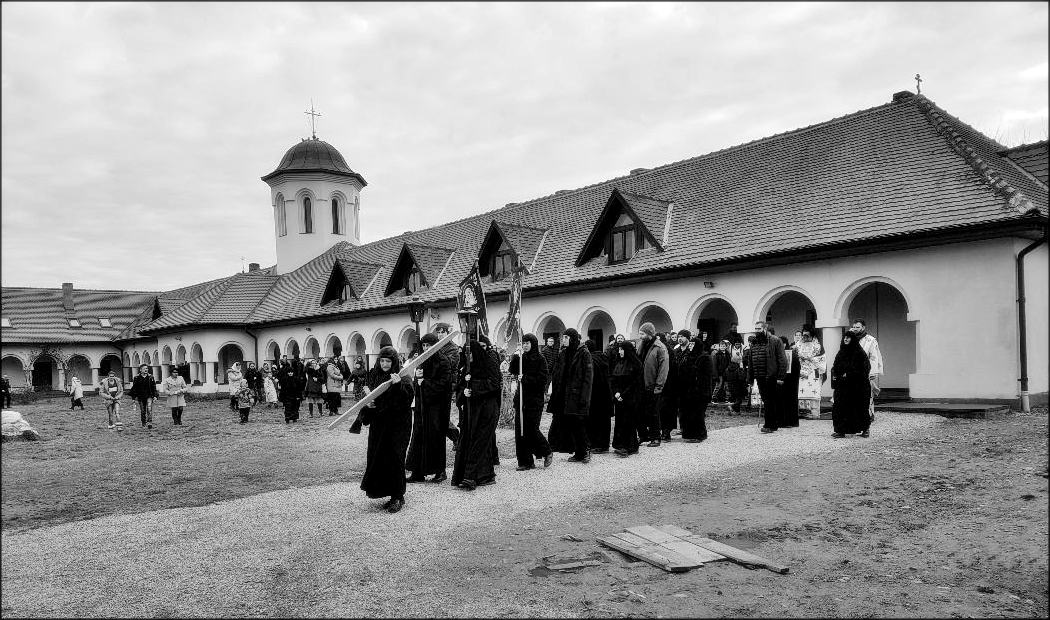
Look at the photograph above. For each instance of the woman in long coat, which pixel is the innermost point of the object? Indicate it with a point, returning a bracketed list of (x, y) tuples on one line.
[(529, 442), (696, 380), (599, 420), (432, 388), (478, 401), (175, 388), (625, 381), (849, 379), (571, 398), (389, 418)]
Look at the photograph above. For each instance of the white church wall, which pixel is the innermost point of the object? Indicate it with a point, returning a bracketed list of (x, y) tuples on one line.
[(297, 248)]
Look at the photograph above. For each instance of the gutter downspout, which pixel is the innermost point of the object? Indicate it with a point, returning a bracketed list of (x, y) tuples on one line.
[(256, 339), (1021, 326)]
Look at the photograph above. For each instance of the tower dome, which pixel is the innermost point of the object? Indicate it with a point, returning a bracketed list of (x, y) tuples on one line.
[(313, 155)]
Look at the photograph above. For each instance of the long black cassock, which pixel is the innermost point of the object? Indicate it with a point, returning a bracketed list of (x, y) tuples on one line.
[(426, 454), (474, 459), (389, 425)]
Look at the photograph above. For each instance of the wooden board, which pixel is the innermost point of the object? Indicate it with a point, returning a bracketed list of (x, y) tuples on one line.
[(676, 543), (407, 372), (737, 555), (655, 554)]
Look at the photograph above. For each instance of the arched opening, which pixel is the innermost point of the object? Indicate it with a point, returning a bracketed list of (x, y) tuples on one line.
[(313, 349), (273, 353), (333, 347), (165, 355), (357, 348), (110, 363), (15, 371), (145, 358), (292, 350), (229, 354), (407, 342), (715, 317), (885, 311), (45, 373), (128, 365), (598, 326), (197, 367), (379, 340), (78, 366), (650, 313), (499, 335), (136, 360), (788, 312), (180, 355), (549, 326)]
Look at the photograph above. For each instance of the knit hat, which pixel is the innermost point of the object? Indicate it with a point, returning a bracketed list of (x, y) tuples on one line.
[(685, 332), (443, 327), (430, 339), (648, 329)]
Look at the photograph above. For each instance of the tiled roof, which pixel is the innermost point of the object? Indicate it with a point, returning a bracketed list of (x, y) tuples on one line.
[(525, 240), (652, 212), (360, 275), (314, 155), (431, 260), (1031, 157), (37, 314)]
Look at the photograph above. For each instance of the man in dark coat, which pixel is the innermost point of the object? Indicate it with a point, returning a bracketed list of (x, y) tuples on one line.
[(767, 365), (732, 336), (655, 370), (144, 391), (478, 401), (433, 392), (5, 390), (571, 398), (389, 418), (549, 351), (529, 442), (669, 401), (599, 420), (676, 355)]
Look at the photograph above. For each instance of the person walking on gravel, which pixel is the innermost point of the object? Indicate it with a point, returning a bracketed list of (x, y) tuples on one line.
[(144, 391), (570, 401), (111, 389), (626, 384), (426, 453), (175, 388), (767, 365), (389, 421), (849, 380), (478, 402), (529, 442), (871, 348), (655, 368)]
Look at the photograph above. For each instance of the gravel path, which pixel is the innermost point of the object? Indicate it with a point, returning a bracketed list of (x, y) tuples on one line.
[(330, 551)]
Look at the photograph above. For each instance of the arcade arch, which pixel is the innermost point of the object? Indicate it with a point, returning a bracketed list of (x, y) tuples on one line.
[(357, 347), (885, 309), (333, 347), (712, 314), (79, 366), (229, 354), (407, 340), (15, 370), (649, 312), (549, 325), (597, 324), (786, 309), (312, 348)]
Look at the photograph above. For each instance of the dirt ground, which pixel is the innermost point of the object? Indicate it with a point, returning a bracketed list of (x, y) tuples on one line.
[(950, 524)]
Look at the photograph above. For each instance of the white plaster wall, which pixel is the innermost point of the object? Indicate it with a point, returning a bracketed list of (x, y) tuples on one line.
[(1038, 323), (296, 249)]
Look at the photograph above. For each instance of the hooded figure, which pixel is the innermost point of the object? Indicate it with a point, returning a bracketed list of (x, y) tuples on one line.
[(478, 401), (625, 381), (696, 373), (290, 393), (389, 418), (529, 442), (433, 393), (76, 392), (849, 379), (233, 377), (599, 420), (570, 401)]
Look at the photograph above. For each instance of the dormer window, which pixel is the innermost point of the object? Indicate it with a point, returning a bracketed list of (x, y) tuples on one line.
[(5, 322), (74, 323), (104, 322), (413, 280), (501, 264), (624, 240)]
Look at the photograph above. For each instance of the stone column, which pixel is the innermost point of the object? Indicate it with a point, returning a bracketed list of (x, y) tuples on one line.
[(831, 340), (209, 373), (94, 379), (61, 379)]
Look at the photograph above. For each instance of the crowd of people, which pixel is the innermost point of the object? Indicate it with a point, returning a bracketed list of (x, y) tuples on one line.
[(619, 398)]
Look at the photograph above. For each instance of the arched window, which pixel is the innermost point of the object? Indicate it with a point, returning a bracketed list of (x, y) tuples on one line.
[(357, 216), (338, 217), (282, 217), (307, 224)]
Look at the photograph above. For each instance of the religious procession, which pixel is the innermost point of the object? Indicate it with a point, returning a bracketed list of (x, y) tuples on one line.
[(633, 392)]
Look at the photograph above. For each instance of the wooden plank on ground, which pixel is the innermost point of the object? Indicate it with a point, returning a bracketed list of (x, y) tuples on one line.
[(737, 555), (653, 554), (675, 543)]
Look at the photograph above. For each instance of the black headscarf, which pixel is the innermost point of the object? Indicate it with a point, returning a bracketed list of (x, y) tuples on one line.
[(377, 375), (630, 361), (534, 350), (848, 351)]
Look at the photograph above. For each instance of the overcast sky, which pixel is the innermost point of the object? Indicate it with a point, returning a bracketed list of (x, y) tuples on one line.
[(134, 134)]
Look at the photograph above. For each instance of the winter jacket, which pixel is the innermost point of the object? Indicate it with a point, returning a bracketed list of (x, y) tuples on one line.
[(174, 388), (335, 379), (655, 367), (143, 387), (571, 393), (766, 359)]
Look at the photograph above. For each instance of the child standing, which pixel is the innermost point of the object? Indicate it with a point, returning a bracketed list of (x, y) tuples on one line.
[(112, 390)]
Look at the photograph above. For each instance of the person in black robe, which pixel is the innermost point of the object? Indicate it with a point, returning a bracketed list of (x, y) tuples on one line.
[(787, 408), (571, 398), (389, 418), (696, 378), (626, 385), (599, 419), (670, 394), (849, 380), (478, 401), (529, 442), (426, 453), (290, 393)]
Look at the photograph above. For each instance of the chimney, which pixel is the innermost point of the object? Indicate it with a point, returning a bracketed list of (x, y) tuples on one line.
[(67, 296), (638, 171), (902, 95), (253, 267)]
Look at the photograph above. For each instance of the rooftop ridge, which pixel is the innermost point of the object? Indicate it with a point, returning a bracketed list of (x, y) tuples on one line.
[(991, 177), (79, 290), (1021, 147)]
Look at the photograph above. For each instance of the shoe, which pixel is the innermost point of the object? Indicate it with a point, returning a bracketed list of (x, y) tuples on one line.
[(111, 426), (574, 459), (586, 459), (486, 483), (676, 432), (766, 429), (666, 436), (149, 426), (603, 451), (396, 505), (865, 434), (620, 452), (523, 468), (547, 460), (468, 485), (388, 503), (654, 443), (691, 440), (838, 435), (440, 477), (412, 479)]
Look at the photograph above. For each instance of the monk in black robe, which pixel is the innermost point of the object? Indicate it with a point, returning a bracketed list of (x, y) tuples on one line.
[(529, 442), (478, 401), (696, 379), (849, 379), (570, 400), (627, 386), (433, 392), (389, 418), (599, 420)]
